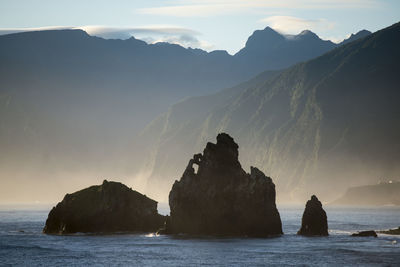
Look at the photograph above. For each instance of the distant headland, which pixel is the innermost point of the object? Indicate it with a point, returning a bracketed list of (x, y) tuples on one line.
[(383, 193)]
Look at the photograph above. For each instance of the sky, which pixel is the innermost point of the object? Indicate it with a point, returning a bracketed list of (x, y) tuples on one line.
[(206, 24)]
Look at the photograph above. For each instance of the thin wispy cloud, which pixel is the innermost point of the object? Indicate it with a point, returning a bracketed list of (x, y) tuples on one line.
[(126, 32), (183, 40), (199, 8), (16, 30), (152, 34), (294, 25)]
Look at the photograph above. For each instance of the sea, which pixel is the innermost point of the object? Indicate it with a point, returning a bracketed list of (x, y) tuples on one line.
[(22, 243)]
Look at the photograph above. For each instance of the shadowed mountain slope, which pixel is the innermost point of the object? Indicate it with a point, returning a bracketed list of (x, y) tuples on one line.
[(71, 103), (317, 127)]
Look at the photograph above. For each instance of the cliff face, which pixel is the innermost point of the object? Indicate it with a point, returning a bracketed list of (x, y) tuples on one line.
[(317, 127), (110, 207), (221, 198)]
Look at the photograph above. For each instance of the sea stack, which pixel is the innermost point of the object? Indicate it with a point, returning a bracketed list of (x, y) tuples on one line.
[(105, 208), (221, 199), (314, 221)]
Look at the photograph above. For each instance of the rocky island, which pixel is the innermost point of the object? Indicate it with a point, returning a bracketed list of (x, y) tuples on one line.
[(105, 208), (365, 233), (314, 221), (221, 198)]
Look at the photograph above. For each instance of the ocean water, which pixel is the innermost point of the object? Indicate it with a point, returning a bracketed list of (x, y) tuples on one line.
[(23, 244)]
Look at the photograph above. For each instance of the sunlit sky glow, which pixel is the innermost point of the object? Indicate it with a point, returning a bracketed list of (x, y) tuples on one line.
[(208, 24)]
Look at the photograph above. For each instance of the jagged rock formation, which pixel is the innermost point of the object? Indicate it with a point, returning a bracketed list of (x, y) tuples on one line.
[(221, 198), (366, 233), (110, 207), (314, 221)]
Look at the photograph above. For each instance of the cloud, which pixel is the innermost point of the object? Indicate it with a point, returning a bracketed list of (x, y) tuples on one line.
[(189, 10), (185, 41), (150, 34), (294, 25), (15, 30), (205, 8), (126, 32)]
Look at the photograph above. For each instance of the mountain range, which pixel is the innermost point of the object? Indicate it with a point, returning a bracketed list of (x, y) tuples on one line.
[(318, 127), (71, 104)]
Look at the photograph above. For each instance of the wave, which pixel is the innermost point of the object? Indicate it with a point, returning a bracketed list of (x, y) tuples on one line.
[(28, 247), (339, 232)]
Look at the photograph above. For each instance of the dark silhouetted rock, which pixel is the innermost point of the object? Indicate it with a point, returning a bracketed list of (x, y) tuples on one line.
[(314, 221), (110, 207), (391, 231), (221, 198), (365, 233)]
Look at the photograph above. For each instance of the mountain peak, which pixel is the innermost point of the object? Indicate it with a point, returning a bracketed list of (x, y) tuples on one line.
[(268, 36), (363, 32), (358, 35), (308, 34), (269, 29)]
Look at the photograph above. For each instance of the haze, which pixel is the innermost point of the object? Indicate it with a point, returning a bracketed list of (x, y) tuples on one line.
[(308, 89)]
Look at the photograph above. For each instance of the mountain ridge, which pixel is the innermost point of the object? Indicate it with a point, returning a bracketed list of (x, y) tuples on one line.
[(352, 37), (73, 102), (324, 121)]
